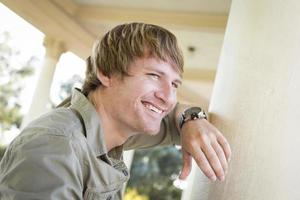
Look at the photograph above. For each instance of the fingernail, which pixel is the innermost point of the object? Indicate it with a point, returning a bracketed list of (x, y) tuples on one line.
[(213, 178), (222, 178)]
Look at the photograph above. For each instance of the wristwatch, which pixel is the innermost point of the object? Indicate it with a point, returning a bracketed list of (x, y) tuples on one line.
[(192, 113)]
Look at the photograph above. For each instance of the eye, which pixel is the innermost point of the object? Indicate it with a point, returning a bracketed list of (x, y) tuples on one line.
[(175, 85), (153, 76)]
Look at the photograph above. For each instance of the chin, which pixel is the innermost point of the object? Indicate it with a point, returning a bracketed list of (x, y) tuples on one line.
[(150, 126), (151, 131)]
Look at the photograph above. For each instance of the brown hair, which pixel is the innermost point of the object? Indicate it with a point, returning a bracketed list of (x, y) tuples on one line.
[(124, 43)]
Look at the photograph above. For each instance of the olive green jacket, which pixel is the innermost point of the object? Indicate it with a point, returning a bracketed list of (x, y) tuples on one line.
[(62, 155)]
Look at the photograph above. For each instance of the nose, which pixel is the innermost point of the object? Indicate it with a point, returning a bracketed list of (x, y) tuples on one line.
[(166, 93)]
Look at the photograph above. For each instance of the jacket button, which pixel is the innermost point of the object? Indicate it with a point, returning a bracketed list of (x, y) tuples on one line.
[(109, 198), (125, 172)]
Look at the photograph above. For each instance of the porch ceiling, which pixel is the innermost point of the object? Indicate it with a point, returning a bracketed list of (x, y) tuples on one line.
[(198, 24)]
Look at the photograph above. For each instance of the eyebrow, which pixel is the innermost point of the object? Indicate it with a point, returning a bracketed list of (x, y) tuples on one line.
[(178, 81)]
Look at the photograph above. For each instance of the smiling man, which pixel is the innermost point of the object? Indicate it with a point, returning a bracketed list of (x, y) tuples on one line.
[(128, 101)]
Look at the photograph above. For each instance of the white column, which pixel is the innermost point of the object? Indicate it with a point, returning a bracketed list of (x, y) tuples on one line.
[(256, 103), (196, 183), (54, 50)]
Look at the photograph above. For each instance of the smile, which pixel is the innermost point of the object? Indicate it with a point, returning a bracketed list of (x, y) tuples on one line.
[(153, 108)]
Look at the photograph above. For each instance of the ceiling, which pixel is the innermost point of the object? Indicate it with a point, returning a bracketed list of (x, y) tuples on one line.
[(204, 6), (198, 24)]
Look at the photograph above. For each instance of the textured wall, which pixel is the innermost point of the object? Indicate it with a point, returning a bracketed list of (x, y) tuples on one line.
[(256, 103)]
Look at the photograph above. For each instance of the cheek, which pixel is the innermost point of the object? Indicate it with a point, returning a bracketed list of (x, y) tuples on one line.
[(174, 96), (143, 88), (174, 103)]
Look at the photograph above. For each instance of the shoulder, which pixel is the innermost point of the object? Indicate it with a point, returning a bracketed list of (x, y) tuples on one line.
[(51, 136), (48, 155), (59, 121), (59, 127)]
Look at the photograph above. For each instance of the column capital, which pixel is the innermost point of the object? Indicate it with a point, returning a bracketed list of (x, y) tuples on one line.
[(54, 47)]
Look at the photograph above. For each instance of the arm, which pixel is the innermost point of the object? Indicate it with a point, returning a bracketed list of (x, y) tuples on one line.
[(199, 140), (206, 144)]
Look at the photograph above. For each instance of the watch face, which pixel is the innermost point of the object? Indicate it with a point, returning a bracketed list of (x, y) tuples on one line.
[(192, 114), (192, 111)]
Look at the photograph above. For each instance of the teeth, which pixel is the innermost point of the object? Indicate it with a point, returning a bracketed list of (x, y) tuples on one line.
[(154, 109)]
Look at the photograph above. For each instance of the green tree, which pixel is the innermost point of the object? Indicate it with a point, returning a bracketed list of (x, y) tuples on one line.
[(13, 72), (153, 172), (132, 194), (65, 89), (67, 86)]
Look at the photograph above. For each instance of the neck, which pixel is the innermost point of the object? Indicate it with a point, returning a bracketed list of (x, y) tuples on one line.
[(113, 135)]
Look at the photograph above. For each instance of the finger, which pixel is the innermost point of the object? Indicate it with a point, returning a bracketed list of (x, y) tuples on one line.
[(225, 145), (187, 165), (214, 161), (203, 164), (221, 155)]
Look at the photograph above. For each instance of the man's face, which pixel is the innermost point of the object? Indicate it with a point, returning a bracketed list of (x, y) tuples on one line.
[(141, 100)]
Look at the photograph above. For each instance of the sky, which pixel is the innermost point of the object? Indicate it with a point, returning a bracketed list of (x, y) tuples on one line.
[(29, 40)]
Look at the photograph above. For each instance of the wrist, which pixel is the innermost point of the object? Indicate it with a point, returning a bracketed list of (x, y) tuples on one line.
[(190, 114)]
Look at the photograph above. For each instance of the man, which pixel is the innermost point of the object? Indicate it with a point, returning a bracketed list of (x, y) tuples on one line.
[(128, 101)]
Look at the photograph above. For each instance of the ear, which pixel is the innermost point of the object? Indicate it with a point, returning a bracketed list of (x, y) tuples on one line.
[(105, 80)]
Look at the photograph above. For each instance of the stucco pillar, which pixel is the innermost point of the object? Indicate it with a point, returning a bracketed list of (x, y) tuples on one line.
[(256, 103), (54, 50)]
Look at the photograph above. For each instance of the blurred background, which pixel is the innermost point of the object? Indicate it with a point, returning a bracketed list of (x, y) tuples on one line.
[(248, 75), (43, 45)]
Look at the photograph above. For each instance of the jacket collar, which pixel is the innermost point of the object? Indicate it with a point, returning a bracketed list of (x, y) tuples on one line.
[(91, 120)]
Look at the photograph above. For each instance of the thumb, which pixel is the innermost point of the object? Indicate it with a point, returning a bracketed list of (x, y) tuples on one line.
[(187, 165)]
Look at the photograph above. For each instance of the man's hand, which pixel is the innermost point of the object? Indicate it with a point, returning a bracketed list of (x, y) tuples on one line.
[(210, 149)]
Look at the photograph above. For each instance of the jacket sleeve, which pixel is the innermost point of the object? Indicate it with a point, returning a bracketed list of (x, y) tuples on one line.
[(168, 135), (40, 167)]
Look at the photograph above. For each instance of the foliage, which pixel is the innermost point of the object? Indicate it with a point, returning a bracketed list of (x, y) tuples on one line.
[(67, 86), (132, 194), (153, 172), (13, 72)]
